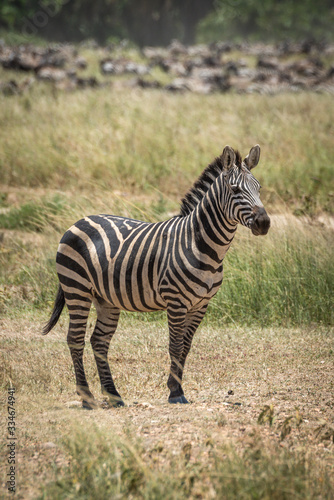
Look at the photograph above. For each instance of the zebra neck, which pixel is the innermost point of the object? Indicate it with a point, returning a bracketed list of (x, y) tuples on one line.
[(213, 233)]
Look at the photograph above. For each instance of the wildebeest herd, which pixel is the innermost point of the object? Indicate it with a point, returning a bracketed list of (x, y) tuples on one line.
[(204, 69)]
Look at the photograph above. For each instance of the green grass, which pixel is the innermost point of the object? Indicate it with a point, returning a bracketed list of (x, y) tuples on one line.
[(11, 37), (33, 216), (118, 139), (103, 151), (286, 278)]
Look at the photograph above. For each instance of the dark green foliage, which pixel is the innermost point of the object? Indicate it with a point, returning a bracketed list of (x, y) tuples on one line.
[(269, 20), (145, 22), (157, 22)]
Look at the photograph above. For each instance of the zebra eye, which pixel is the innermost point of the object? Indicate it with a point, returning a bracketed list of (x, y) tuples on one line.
[(236, 189)]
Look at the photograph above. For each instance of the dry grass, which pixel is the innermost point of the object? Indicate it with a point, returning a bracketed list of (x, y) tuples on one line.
[(288, 369), (134, 141)]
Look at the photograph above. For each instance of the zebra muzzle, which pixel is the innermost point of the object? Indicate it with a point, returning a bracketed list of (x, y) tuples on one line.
[(260, 223)]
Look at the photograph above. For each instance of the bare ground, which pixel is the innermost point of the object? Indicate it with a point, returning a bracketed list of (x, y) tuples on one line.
[(233, 376)]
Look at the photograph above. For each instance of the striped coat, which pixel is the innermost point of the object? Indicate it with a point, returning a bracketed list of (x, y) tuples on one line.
[(118, 264)]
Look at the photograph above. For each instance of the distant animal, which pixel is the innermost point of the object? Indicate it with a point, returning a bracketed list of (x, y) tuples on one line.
[(118, 263)]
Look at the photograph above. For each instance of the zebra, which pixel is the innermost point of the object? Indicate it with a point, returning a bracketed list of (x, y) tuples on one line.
[(118, 263)]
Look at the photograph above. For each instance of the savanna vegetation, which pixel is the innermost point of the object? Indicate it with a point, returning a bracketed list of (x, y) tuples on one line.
[(260, 374), (68, 155)]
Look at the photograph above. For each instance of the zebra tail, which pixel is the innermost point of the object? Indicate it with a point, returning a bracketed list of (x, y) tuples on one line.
[(57, 309)]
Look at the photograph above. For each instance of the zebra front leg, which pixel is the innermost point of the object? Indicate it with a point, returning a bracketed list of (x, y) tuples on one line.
[(106, 324), (192, 322), (76, 344), (176, 322)]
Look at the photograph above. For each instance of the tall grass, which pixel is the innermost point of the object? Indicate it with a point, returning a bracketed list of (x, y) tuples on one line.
[(285, 278), (134, 140)]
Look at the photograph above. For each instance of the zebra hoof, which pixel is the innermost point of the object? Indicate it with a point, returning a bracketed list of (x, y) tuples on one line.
[(89, 405), (115, 401), (88, 400), (112, 400), (178, 399)]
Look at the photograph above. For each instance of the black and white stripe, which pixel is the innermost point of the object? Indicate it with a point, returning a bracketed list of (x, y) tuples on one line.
[(118, 264)]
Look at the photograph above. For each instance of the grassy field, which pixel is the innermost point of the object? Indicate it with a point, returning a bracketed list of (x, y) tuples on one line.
[(260, 374), (260, 422), (117, 140)]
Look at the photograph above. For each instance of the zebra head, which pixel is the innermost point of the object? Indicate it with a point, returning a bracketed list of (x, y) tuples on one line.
[(243, 190)]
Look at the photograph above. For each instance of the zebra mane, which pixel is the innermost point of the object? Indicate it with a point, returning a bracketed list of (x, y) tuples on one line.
[(203, 183)]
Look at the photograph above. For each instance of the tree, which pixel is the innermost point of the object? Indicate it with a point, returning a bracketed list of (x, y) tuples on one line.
[(268, 20)]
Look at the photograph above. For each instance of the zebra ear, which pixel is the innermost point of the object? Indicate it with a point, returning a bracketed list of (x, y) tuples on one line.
[(252, 159), (228, 157)]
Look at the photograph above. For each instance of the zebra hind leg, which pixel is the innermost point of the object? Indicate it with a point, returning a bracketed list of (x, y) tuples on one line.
[(79, 311), (106, 324)]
